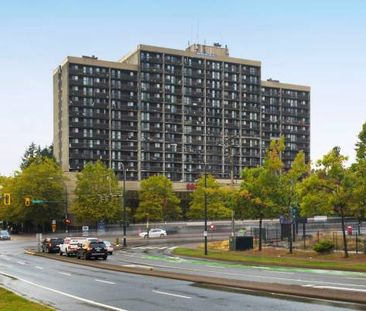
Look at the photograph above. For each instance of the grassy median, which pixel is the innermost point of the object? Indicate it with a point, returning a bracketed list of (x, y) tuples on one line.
[(12, 302), (270, 256)]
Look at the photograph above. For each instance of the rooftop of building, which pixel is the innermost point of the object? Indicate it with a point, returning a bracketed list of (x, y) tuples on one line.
[(280, 85), (214, 52)]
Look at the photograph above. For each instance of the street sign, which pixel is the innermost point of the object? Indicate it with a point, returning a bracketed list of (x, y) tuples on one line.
[(85, 230), (38, 201)]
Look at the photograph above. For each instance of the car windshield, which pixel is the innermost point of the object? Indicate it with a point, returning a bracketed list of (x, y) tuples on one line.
[(97, 244), (4, 232)]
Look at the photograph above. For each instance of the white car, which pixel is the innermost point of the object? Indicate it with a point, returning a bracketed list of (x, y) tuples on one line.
[(109, 247), (153, 233), (70, 246)]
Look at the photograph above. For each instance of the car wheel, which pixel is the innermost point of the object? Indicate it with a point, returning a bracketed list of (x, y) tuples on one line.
[(105, 257), (162, 235), (60, 253), (145, 236)]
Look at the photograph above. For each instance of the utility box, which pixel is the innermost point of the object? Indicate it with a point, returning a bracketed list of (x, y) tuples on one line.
[(240, 243)]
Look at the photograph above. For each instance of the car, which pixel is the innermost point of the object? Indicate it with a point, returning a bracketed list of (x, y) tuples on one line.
[(4, 235), (92, 249), (70, 246), (50, 245), (153, 233), (109, 247)]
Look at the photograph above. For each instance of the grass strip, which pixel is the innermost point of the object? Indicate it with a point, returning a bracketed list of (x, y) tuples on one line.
[(288, 261), (12, 302)]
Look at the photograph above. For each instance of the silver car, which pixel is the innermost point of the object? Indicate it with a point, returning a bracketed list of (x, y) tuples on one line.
[(4, 235)]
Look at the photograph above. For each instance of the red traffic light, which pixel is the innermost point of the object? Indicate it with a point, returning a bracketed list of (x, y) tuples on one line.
[(67, 221)]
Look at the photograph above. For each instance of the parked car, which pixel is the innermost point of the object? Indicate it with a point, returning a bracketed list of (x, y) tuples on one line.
[(92, 249), (50, 245), (153, 233), (109, 247), (4, 235), (70, 246)]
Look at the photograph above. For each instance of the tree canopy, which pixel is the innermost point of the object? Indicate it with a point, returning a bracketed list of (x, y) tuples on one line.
[(157, 200), (39, 181), (97, 194), (36, 153), (215, 196)]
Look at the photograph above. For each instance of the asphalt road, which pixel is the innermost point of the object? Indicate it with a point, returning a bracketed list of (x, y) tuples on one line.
[(70, 287), (157, 257)]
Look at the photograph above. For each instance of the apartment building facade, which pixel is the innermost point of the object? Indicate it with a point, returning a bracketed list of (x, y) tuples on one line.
[(174, 112)]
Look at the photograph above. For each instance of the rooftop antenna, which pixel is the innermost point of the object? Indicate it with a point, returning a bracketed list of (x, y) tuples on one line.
[(198, 30)]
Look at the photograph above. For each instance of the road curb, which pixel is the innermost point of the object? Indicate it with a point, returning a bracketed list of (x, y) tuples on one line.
[(271, 288)]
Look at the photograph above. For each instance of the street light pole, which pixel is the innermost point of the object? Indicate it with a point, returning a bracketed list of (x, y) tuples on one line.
[(205, 232), (124, 206)]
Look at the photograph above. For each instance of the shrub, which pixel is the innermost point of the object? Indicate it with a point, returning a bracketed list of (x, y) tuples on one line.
[(324, 247)]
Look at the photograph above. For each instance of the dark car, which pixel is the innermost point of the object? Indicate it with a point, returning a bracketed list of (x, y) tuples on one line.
[(92, 249), (51, 245)]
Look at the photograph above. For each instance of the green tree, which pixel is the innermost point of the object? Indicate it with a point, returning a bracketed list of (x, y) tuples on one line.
[(259, 188), (39, 181), (215, 196), (361, 144), (157, 200), (288, 196), (358, 202), (328, 190), (97, 194), (34, 153)]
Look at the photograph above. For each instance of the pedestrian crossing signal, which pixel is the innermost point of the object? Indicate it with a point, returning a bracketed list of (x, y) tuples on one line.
[(27, 201), (7, 199)]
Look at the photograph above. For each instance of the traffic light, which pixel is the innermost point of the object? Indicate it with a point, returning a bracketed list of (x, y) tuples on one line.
[(27, 201), (7, 199), (67, 221)]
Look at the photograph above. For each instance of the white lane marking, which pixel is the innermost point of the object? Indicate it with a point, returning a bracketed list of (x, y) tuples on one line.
[(335, 287), (21, 262), (91, 302), (38, 267), (256, 276), (164, 247), (170, 294), (106, 282), (65, 273)]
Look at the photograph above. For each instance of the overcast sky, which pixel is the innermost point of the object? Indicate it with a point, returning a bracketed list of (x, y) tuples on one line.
[(317, 43)]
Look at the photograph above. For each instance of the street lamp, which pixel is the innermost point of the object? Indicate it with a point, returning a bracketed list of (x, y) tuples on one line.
[(124, 205), (205, 229)]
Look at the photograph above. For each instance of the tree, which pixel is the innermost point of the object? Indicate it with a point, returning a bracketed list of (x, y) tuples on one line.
[(328, 190), (41, 181), (216, 208), (157, 200), (358, 203), (260, 185), (36, 153), (97, 194), (361, 144)]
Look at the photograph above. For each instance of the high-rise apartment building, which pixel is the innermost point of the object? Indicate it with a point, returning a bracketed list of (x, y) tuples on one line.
[(168, 111)]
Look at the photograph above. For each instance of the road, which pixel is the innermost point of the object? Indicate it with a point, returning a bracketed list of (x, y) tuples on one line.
[(70, 287)]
